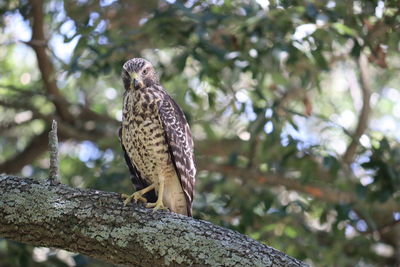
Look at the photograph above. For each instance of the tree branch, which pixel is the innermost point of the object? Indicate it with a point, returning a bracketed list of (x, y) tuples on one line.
[(220, 147), (22, 91), (317, 191), (365, 110), (38, 43), (37, 146), (97, 224)]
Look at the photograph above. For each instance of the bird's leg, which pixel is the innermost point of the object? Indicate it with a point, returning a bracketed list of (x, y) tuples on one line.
[(158, 205), (138, 195)]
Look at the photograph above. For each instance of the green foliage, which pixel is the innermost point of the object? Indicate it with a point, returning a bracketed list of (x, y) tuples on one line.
[(385, 164), (269, 91)]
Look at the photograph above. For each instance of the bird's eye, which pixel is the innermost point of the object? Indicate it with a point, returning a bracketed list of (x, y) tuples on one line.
[(144, 72)]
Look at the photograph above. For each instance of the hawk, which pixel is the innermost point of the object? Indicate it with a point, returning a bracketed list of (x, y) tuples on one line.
[(156, 140)]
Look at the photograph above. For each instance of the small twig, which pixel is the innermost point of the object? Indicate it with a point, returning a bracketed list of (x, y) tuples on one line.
[(53, 147), (33, 43)]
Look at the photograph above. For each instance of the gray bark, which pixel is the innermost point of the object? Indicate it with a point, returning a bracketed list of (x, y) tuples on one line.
[(98, 225)]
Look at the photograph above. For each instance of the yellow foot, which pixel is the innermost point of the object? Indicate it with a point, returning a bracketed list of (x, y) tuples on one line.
[(159, 205), (137, 196)]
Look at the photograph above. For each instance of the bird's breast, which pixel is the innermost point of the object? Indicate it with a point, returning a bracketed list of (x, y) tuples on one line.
[(141, 102), (143, 135)]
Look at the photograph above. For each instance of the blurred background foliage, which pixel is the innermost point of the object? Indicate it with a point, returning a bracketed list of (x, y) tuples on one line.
[(294, 106)]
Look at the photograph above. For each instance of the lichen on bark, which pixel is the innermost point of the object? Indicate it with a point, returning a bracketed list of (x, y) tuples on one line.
[(97, 224)]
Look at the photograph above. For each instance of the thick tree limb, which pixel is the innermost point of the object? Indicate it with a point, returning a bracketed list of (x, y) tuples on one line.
[(97, 224)]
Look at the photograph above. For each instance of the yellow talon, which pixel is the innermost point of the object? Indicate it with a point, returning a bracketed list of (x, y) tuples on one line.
[(137, 196), (159, 205)]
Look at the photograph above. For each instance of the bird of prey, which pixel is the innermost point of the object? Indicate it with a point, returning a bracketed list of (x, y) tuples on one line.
[(157, 143)]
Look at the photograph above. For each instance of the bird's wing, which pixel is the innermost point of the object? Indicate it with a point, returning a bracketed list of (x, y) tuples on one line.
[(180, 143), (136, 178)]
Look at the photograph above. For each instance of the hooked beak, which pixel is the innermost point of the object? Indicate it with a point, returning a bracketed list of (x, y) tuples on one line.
[(136, 84), (136, 81)]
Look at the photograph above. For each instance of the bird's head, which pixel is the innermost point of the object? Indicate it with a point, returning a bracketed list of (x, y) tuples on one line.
[(138, 73)]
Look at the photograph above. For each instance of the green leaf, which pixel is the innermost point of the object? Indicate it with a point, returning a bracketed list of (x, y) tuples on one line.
[(343, 29)]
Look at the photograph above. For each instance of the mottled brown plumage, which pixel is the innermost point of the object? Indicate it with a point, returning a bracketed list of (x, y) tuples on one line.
[(156, 140)]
